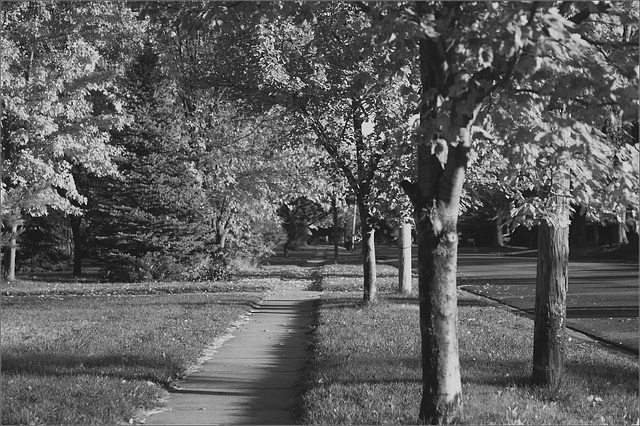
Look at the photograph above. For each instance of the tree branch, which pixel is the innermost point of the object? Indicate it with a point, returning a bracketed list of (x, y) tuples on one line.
[(411, 189), (582, 16)]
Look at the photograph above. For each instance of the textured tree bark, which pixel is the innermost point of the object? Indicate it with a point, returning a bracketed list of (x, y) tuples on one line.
[(552, 282), (75, 222), (442, 389), (550, 309), (368, 255), (404, 243), (436, 199), (442, 161), (334, 205), (436, 222), (13, 245)]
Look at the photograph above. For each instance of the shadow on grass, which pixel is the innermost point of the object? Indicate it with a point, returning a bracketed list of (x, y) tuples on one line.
[(596, 375), (490, 371), (403, 299), (343, 303), (602, 371), (120, 367), (377, 381)]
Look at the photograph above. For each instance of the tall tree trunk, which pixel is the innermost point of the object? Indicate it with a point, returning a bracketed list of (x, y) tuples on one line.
[(498, 237), (436, 199), (75, 222), (404, 243), (334, 205), (621, 235), (368, 255), (13, 245), (596, 234), (222, 239), (552, 282), (437, 252), (353, 227)]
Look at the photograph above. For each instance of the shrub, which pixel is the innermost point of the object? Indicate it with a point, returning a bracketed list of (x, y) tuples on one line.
[(123, 267), (207, 267), (163, 267)]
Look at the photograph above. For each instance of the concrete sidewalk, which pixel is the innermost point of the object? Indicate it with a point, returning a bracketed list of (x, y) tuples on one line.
[(255, 376)]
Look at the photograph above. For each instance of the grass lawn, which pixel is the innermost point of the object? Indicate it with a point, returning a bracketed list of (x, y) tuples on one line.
[(81, 352), (366, 368), (100, 353)]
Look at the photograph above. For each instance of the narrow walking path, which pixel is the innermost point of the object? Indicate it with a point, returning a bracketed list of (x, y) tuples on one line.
[(255, 376)]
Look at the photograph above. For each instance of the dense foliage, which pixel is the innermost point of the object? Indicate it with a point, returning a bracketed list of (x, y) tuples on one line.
[(173, 139)]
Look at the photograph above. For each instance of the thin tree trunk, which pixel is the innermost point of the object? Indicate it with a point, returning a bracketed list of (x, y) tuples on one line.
[(368, 255), (75, 222), (404, 243), (498, 237), (334, 203), (353, 227), (596, 234), (222, 239), (621, 236), (552, 282), (13, 245)]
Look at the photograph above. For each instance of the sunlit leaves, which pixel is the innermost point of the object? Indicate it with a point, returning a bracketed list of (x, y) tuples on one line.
[(53, 69)]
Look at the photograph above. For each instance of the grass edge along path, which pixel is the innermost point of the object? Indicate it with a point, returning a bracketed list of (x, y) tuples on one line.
[(365, 367), (107, 357)]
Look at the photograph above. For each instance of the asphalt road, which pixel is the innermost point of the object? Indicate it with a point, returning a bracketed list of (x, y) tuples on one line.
[(602, 299)]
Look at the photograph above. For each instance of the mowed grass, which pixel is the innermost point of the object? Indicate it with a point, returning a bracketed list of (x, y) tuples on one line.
[(345, 278), (106, 356), (366, 367)]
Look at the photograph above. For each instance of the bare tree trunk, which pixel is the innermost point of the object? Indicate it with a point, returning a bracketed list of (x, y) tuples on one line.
[(353, 227), (436, 199), (550, 309), (442, 389), (552, 282), (404, 243), (75, 222), (13, 245), (222, 239), (368, 256), (334, 205), (498, 237), (621, 236)]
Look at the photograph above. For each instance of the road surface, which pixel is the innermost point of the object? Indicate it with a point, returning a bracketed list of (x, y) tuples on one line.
[(602, 299)]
